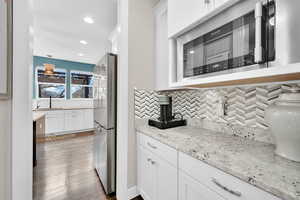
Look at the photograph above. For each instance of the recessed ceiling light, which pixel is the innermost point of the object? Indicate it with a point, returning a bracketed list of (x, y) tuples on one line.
[(80, 54), (83, 42), (88, 20), (192, 52)]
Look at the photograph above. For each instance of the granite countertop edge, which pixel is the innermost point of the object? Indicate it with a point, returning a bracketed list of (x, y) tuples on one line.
[(259, 184), (56, 109), (37, 116)]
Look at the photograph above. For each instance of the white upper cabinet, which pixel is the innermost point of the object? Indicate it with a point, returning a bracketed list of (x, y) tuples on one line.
[(185, 14), (182, 14), (232, 42), (161, 46)]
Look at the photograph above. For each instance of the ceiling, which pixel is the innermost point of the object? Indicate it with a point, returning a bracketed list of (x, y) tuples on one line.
[(59, 27)]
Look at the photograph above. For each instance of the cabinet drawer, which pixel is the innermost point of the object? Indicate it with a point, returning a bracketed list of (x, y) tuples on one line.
[(226, 185), (165, 152)]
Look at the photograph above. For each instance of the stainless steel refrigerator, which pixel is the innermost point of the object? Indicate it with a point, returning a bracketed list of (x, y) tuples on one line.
[(105, 99)]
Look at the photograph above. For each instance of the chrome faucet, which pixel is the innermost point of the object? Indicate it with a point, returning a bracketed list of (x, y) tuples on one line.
[(37, 105)]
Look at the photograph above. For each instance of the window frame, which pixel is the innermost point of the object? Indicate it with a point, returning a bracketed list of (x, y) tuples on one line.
[(90, 86), (37, 83)]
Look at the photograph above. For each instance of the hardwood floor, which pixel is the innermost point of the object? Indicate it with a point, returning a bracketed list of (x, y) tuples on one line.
[(65, 171)]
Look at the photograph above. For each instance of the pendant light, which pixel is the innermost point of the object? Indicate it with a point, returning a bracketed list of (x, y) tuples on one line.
[(49, 69)]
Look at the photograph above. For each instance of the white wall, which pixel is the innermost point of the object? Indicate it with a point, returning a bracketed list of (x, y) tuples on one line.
[(141, 67), (122, 114), (21, 102), (15, 115)]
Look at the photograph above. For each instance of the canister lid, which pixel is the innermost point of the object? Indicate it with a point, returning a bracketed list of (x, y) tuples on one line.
[(163, 99)]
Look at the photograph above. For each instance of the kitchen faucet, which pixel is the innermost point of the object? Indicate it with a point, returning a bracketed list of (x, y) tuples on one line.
[(50, 102), (37, 105)]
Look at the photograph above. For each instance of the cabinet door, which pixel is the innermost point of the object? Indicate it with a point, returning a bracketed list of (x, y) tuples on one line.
[(161, 46), (146, 178), (74, 120), (166, 182), (182, 14), (88, 121), (55, 122), (219, 2), (190, 189)]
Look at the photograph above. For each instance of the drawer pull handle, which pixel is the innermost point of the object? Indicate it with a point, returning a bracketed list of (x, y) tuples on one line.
[(152, 146), (236, 193)]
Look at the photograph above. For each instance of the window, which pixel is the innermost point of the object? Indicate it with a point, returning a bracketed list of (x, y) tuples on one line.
[(51, 85), (81, 85)]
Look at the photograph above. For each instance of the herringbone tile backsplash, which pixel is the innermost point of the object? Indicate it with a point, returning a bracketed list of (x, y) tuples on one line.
[(245, 105)]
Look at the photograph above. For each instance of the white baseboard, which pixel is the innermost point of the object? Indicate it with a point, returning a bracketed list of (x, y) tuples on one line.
[(132, 192)]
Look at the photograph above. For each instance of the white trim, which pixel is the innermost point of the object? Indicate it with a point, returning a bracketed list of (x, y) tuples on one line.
[(258, 73), (21, 133), (81, 72), (122, 104), (89, 86), (132, 192), (37, 83)]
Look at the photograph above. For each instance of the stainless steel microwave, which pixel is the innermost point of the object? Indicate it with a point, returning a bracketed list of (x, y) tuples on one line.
[(240, 38)]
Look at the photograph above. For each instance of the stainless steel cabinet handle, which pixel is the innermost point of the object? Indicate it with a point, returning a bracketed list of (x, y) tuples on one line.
[(258, 50), (152, 146), (236, 193)]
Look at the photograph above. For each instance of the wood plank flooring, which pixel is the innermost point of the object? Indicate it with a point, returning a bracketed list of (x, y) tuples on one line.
[(65, 171)]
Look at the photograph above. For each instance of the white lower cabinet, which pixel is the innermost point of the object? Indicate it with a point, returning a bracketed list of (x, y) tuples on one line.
[(74, 120), (69, 121), (190, 189), (165, 180), (166, 174), (88, 119), (146, 175), (157, 178), (54, 122), (220, 182)]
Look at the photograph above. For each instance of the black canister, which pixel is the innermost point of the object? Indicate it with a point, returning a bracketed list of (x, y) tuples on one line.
[(165, 103)]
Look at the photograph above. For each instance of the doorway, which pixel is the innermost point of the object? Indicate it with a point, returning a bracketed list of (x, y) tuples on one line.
[(70, 38)]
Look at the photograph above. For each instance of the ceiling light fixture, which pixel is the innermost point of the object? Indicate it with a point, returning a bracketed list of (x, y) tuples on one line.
[(80, 54), (83, 42), (88, 20), (49, 69)]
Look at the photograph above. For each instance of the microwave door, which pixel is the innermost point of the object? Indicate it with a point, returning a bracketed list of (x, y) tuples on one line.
[(228, 47)]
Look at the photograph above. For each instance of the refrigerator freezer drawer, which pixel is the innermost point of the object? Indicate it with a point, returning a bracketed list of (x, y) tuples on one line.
[(105, 160)]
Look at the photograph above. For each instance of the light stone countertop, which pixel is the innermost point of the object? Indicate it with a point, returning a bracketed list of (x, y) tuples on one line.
[(37, 115), (55, 109), (248, 160)]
